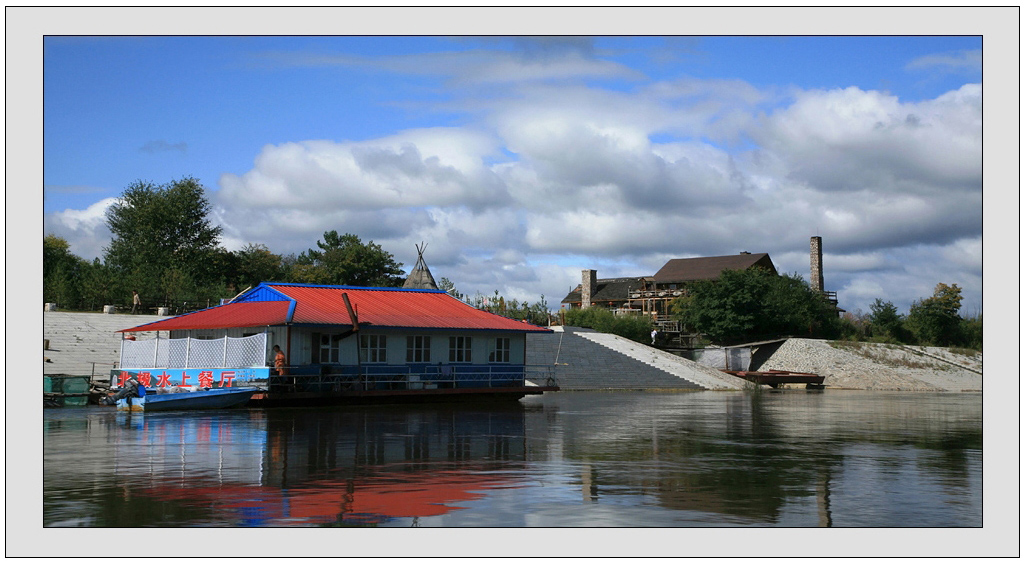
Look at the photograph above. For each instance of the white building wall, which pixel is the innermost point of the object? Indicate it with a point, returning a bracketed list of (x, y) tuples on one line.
[(302, 352)]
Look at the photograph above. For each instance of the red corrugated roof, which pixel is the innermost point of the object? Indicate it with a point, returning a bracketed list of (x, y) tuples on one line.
[(323, 305), (258, 313), (392, 308)]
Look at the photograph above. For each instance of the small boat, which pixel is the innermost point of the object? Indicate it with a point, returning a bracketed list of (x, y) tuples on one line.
[(775, 377), (219, 398)]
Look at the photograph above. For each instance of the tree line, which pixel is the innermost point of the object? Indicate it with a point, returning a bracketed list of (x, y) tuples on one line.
[(164, 246), (755, 304)]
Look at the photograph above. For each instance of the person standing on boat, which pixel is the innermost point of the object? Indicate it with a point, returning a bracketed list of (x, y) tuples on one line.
[(279, 360), (654, 336), (136, 302)]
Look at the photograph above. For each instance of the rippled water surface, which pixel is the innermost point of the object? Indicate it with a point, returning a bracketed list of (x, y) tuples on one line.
[(783, 459)]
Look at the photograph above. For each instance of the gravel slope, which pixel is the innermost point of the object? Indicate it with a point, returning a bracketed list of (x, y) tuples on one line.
[(852, 365)]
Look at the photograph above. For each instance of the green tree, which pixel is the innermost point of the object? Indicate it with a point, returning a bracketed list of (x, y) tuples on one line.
[(634, 327), (255, 263), (99, 286), (346, 260), (935, 320), (886, 320), (448, 286), (62, 272), (161, 228), (971, 332), (744, 305)]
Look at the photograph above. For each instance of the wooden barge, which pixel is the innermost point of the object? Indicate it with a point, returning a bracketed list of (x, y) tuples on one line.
[(774, 378)]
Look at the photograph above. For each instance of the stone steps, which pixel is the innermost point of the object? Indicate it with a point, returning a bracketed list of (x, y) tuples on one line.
[(77, 340), (587, 360), (705, 376)]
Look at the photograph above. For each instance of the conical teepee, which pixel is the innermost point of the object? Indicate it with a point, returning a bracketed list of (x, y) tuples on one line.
[(419, 277)]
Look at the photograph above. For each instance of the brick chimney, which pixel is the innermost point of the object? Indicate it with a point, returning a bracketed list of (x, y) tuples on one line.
[(588, 288), (817, 279)]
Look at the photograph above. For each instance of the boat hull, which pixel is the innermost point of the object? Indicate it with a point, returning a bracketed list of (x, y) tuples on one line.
[(398, 396), (196, 400)]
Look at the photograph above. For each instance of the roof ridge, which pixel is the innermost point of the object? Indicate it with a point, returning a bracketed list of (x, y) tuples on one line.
[(352, 287)]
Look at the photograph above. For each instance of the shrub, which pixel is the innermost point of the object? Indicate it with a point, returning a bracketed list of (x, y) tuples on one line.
[(634, 327)]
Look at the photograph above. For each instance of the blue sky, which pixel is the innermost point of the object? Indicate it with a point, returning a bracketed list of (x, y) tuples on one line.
[(521, 161)]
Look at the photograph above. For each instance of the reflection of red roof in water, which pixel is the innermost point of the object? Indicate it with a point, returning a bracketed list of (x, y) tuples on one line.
[(372, 499)]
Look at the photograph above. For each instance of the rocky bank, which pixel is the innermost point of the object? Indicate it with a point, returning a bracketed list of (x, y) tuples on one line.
[(880, 367)]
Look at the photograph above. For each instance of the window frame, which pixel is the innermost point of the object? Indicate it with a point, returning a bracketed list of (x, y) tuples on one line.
[(417, 345), (373, 348), (332, 348), (460, 349), (495, 352)]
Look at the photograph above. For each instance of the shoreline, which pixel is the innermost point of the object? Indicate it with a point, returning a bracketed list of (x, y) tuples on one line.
[(868, 366)]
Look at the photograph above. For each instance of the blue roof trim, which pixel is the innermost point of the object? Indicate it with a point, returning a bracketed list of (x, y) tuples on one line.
[(292, 284), (262, 292)]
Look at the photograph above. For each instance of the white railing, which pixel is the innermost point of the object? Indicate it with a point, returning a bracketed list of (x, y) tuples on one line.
[(227, 352)]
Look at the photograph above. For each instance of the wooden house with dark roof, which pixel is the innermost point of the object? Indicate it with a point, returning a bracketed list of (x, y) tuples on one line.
[(652, 294), (612, 293), (681, 270)]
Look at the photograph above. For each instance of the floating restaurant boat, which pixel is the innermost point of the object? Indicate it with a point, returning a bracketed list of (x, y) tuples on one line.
[(341, 344)]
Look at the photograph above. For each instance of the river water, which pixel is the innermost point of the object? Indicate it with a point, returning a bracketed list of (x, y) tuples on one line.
[(597, 459)]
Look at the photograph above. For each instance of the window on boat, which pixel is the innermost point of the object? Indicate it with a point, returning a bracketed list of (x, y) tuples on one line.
[(373, 348), (326, 348), (460, 349), (417, 349), (499, 350)]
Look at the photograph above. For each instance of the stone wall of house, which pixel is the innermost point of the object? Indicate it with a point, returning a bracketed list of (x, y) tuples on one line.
[(588, 288)]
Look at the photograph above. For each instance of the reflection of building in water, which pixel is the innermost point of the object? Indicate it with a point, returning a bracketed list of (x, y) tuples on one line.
[(224, 447), (371, 465), (312, 444), (360, 467), (824, 498)]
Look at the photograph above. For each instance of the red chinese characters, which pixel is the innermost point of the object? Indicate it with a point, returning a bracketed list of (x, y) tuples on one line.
[(163, 380), (206, 379)]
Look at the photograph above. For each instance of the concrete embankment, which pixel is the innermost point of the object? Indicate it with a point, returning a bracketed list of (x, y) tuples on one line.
[(588, 360), (84, 343), (880, 367)]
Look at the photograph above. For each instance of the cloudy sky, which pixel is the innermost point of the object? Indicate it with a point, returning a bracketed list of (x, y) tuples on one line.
[(522, 160)]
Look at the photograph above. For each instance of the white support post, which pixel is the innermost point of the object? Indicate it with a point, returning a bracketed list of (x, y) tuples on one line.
[(188, 346), (156, 347), (224, 359)]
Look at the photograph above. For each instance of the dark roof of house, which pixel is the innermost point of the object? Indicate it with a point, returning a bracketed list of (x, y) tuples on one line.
[(611, 289), (710, 267), (276, 304), (677, 270)]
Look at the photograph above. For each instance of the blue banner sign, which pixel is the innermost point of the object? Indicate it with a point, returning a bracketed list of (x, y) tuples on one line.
[(200, 377)]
